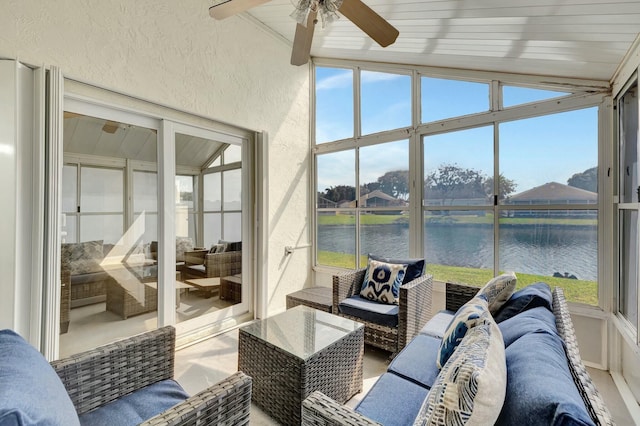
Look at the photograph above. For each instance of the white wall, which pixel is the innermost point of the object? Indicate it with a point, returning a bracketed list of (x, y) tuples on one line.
[(173, 53)]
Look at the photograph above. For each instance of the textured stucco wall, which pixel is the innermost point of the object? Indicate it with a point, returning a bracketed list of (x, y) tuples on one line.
[(175, 54)]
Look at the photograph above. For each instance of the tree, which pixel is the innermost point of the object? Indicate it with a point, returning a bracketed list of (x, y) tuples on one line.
[(505, 186), (587, 180), (340, 193), (395, 183), (452, 182)]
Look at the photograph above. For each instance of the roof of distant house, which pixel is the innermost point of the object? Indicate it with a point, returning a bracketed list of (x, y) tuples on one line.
[(554, 191)]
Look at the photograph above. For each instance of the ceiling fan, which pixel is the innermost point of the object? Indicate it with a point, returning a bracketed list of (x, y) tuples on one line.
[(306, 13)]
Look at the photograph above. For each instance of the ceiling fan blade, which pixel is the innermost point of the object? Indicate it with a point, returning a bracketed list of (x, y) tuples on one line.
[(227, 8), (369, 21), (302, 41)]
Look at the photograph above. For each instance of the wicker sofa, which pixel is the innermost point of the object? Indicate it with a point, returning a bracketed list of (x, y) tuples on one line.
[(222, 260), (124, 383), (413, 310), (411, 374)]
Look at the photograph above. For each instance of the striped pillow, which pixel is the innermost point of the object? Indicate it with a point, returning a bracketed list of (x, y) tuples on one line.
[(471, 387)]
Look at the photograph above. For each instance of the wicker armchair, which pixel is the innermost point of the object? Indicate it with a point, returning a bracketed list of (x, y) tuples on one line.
[(414, 310), (98, 376)]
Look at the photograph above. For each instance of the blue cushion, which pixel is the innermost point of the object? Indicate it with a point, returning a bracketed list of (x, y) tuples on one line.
[(437, 325), (532, 296), (536, 320), (416, 362), (415, 267), (138, 406), (392, 401), (540, 390), (377, 313), (31, 393)]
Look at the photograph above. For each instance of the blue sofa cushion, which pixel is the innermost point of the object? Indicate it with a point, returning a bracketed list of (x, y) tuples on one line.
[(415, 267), (532, 296), (540, 390), (392, 401), (377, 313), (31, 393), (416, 362), (138, 406), (536, 320), (382, 281), (437, 325)]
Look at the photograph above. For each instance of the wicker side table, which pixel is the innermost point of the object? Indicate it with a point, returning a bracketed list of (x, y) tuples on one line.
[(320, 298), (299, 351)]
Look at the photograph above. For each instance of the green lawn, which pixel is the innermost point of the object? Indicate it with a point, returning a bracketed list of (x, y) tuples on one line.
[(384, 219), (579, 291)]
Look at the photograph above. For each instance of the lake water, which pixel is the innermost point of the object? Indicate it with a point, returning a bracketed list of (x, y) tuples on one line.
[(539, 249)]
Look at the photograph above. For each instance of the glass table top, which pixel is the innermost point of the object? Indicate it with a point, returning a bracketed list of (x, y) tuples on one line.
[(302, 331)]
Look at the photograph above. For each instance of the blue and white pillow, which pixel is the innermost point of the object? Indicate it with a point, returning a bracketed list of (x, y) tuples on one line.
[(471, 387), (382, 281), (471, 314)]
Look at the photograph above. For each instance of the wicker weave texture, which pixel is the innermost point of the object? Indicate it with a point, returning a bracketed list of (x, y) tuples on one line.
[(282, 381), (319, 298), (65, 298), (590, 395), (320, 410), (458, 294), (87, 290), (415, 309), (126, 304), (98, 376), (224, 404)]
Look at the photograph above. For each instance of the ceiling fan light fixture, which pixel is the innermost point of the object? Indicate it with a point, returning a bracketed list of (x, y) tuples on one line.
[(325, 8)]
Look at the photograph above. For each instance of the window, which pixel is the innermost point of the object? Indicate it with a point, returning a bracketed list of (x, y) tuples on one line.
[(334, 104), (514, 95), (223, 199), (458, 215), (500, 191), (629, 194), (386, 101), (444, 98)]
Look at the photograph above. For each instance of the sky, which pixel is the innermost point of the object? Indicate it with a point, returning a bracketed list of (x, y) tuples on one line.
[(533, 151)]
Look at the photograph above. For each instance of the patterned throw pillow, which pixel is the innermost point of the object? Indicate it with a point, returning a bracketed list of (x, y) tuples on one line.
[(382, 281), (498, 290), (471, 387), (471, 314), (83, 258), (183, 244)]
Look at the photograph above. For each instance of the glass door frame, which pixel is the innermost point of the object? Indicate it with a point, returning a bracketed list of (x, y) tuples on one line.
[(166, 129), (167, 234)]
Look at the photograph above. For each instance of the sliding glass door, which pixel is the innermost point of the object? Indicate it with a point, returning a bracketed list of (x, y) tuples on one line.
[(109, 227), (211, 179), (155, 231)]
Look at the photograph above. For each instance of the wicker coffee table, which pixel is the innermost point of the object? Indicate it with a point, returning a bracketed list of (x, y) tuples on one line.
[(294, 353)]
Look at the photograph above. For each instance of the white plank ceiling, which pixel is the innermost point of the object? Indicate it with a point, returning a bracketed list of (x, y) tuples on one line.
[(564, 38)]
